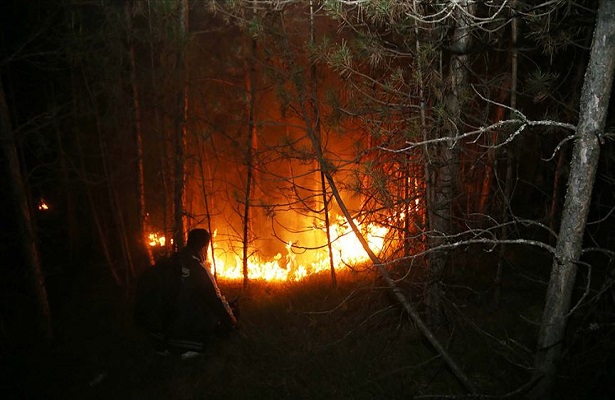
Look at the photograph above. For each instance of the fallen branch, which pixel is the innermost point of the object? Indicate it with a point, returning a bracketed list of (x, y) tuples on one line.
[(414, 315)]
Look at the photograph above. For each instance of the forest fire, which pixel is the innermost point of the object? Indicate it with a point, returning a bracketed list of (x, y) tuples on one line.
[(346, 251), (472, 141)]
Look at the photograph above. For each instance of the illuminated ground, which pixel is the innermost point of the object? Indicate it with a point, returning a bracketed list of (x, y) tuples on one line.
[(299, 341)]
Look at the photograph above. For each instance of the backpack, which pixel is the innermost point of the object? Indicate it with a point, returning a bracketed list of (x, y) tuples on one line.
[(156, 295)]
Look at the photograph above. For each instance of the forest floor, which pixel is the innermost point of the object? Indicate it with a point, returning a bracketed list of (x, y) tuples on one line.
[(301, 341)]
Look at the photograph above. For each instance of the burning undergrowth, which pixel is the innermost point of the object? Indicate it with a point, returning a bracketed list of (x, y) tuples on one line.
[(301, 258)]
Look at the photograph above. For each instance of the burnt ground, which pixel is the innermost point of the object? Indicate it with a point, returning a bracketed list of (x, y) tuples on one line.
[(308, 341)]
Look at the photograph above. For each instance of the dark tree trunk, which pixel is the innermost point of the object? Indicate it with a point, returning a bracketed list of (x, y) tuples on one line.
[(315, 108), (144, 249), (251, 146), (444, 172), (35, 281), (180, 136), (592, 116), (509, 155)]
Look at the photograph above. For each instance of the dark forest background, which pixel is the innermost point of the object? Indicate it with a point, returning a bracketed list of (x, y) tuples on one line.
[(463, 127)]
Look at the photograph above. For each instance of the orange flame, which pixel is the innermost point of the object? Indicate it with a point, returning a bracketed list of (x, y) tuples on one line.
[(42, 206), (346, 248), (156, 239)]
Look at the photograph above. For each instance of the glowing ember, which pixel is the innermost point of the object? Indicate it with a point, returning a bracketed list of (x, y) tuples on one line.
[(42, 205)]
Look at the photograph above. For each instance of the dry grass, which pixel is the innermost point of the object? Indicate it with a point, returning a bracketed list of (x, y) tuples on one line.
[(296, 341)]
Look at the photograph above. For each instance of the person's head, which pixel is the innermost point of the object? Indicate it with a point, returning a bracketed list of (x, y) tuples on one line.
[(198, 239)]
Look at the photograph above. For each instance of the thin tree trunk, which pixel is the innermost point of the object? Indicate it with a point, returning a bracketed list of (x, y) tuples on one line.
[(249, 177), (102, 239), (325, 210), (138, 132), (122, 234), (447, 160), (33, 273), (163, 141), (252, 138), (555, 195), (510, 159), (407, 193), (315, 107), (69, 201), (113, 202), (492, 156), (181, 132), (592, 116), (248, 201), (208, 214), (423, 114)]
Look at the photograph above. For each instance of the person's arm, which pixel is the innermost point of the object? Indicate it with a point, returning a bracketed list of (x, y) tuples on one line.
[(216, 300)]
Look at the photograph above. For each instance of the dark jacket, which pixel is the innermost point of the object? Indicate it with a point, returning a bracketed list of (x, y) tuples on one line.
[(201, 307)]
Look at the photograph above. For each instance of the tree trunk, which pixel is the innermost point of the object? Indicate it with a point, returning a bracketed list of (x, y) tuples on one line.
[(35, 280), (76, 104), (558, 177), (162, 134), (592, 116), (492, 153), (99, 228), (561, 170), (510, 159), (114, 204), (69, 201), (181, 132), (325, 210), (315, 108), (423, 114), (444, 171), (141, 213), (206, 200), (251, 145), (248, 195)]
